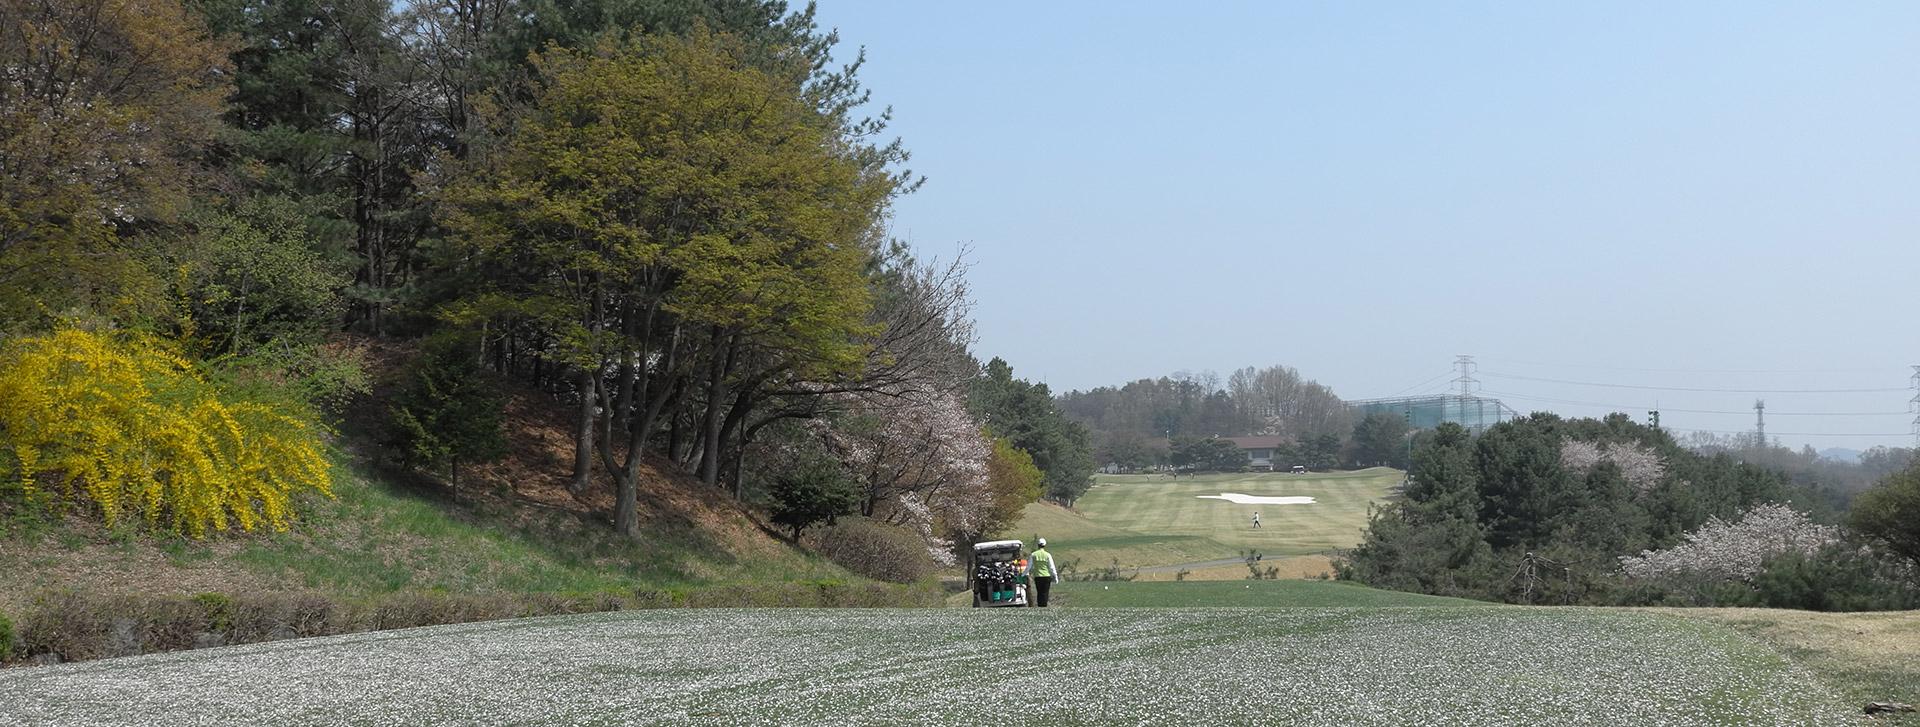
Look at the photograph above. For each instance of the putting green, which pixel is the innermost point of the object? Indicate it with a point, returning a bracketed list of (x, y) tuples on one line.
[(1138, 521)]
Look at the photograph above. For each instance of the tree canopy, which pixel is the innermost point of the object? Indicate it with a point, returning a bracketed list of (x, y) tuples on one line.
[(1550, 510)]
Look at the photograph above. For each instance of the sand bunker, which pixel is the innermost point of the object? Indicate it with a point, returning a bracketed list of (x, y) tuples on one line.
[(1239, 499)]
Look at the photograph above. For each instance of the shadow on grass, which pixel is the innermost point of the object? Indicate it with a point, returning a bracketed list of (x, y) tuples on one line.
[(390, 530)]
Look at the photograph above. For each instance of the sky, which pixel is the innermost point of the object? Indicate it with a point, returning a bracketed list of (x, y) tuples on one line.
[(1692, 196)]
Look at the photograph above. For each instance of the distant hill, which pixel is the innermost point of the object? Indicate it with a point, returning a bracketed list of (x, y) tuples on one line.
[(1841, 454)]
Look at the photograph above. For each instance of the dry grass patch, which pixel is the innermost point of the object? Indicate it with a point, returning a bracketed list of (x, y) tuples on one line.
[(83, 555), (1867, 657)]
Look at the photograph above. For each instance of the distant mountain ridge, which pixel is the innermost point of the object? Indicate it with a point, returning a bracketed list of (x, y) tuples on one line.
[(1841, 454)]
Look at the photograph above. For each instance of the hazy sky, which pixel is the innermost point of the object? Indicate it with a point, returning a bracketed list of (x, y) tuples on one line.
[(1364, 190)]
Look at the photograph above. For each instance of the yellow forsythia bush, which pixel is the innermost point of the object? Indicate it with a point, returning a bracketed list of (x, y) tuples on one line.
[(122, 422)]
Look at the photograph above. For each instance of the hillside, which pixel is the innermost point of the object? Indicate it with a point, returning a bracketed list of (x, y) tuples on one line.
[(514, 528)]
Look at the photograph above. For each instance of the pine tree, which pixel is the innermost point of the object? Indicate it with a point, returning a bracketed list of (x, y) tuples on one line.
[(450, 413)]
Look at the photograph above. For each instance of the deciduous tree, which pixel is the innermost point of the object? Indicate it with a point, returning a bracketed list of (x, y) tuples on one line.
[(106, 107), (682, 219)]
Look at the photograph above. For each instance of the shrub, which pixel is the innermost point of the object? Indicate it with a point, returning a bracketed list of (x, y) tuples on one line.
[(813, 492), (78, 626), (410, 610), (1838, 577), (65, 624), (270, 616), (1111, 572), (876, 550), (218, 608), (126, 425)]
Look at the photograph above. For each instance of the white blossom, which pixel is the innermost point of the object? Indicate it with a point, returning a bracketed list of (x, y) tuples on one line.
[(1460, 666), (920, 457), (1734, 551), (1640, 466)]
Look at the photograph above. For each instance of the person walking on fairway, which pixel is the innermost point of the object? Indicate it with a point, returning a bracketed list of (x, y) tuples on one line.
[(1043, 571), (1256, 519)]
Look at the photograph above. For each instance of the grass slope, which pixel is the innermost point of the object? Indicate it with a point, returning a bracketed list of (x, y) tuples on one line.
[(1137, 521), (514, 528), (1298, 666), (1866, 657)]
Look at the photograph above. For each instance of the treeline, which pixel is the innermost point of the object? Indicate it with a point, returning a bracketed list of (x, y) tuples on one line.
[(1131, 424), (667, 215), (1548, 510), (1838, 479)]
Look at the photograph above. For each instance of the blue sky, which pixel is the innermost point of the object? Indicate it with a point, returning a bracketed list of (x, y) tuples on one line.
[(1364, 190)]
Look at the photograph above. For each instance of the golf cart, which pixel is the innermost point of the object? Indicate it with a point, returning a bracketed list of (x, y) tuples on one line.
[(999, 575)]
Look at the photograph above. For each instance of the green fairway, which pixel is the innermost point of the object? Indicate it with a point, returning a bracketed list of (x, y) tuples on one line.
[(1245, 666), (1151, 520)]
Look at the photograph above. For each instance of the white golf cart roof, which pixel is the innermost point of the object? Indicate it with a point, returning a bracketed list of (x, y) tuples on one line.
[(998, 544)]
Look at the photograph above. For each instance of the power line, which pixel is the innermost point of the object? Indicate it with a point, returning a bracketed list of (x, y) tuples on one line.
[(1801, 434), (1692, 388), (1420, 385), (1617, 407), (1689, 371), (1547, 400)]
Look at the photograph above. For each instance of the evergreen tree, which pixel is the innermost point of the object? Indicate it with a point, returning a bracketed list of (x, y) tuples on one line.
[(816, 492), (1023, 413), (1380, 439), (449, 413), (1890, 514)]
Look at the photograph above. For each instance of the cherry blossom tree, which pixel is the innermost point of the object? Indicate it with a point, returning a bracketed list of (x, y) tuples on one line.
[(919, 458), (1639, 465), (1734, 551)]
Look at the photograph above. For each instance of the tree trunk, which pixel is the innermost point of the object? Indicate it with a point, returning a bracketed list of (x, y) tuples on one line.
[(736, 416), (583, 433), (626, 511), (673, 440), (623, 401), (623, 396), (716, 393), (695, 461)]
